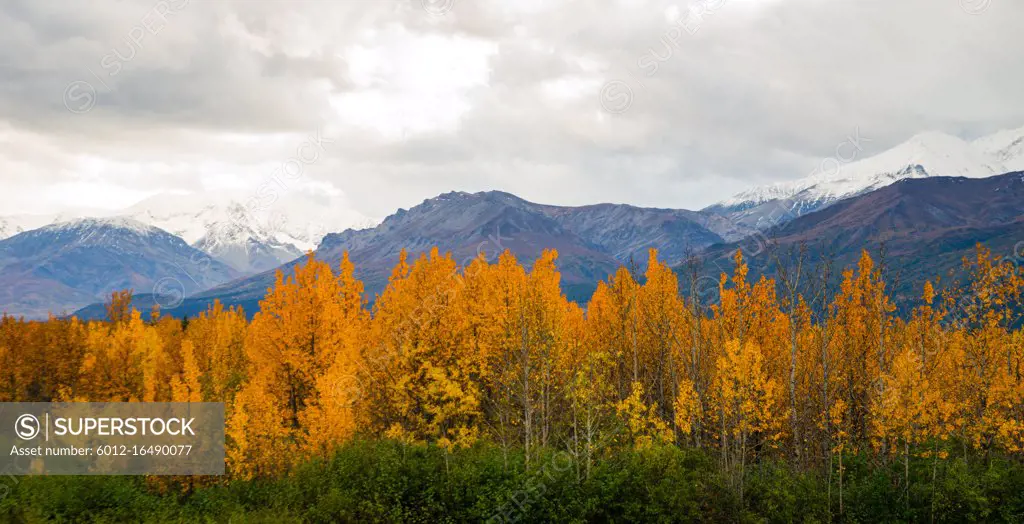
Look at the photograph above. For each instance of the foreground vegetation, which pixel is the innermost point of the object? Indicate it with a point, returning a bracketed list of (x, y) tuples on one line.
[(388, 481), (802, 398)]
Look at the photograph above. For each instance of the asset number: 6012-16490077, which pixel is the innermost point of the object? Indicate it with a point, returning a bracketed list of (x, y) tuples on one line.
[(142, 451)]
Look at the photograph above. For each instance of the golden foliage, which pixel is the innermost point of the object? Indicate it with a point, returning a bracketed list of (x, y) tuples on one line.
[(451, 355)]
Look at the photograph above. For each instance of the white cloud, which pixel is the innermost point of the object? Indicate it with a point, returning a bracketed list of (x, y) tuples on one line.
[(486, 95)]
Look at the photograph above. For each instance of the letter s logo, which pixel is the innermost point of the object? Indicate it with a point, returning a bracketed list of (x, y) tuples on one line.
[(27, 427)]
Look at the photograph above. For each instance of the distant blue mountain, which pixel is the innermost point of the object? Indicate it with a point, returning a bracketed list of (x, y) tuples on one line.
[(62, 267)]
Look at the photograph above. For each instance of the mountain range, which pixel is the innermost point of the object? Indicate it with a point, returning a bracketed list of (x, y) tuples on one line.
[(61, 267), (249, 236), (924, 155), (929, 200), (926, 227), (592, 241)]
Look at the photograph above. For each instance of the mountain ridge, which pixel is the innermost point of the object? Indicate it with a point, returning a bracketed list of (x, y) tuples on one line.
[(62, 267), (592, 241), (925, 225), (248, 237), (924, 155)]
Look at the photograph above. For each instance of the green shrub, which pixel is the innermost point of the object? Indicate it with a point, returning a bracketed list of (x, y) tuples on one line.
[(385, 481)]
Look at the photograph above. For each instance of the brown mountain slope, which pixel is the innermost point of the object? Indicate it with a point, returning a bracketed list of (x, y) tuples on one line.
[(925, 225)]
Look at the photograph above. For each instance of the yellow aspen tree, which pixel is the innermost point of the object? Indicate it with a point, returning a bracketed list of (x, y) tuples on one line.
[(614, 313), (186, 386), (644, 428), (899, 410), (731, 314), (119, 306), (218, 338), (393, 330), (793, 280), (522, 367), (546, 308), (425, 390), (51, 358), (483, 314), (941, 405), (168, 360), (332, 419), (11, 333), (861, 312), (258, 443), (663, 332), (985, 308), (768, 328), (589, 392), (746, 406), (687, 408), (839, 421), (503, 385)]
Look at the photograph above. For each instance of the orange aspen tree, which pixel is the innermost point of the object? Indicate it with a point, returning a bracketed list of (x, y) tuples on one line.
[(986, 308), (664, 331), (898, 412), (861, 311), (120, 361), (522, 368), (50, 358), (546, 309), (614, 314), (731, 314), (308, 324), (13, 335), (792, 274), (331, 418)]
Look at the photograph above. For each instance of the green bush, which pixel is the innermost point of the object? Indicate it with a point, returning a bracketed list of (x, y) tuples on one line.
[(384, 481)]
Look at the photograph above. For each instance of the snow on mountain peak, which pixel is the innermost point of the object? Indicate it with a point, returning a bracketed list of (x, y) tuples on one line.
[(1006, 146), (249, 235), (931, 153), (93, 223), (11, 225), (105, 231)]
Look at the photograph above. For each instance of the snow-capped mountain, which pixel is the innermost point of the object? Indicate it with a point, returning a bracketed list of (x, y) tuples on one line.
[(245, 247), (61, 267), (924, 155), (1005, 146), (249, 238), (927, 226), (13, 224)]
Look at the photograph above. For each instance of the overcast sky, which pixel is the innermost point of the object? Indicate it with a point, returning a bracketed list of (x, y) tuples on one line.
[(387, 102)]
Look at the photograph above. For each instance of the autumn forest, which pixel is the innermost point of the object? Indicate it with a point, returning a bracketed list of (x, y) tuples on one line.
[(491, 363)]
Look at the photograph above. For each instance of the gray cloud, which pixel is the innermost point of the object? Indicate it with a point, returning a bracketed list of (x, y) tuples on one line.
[(488, 94)]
